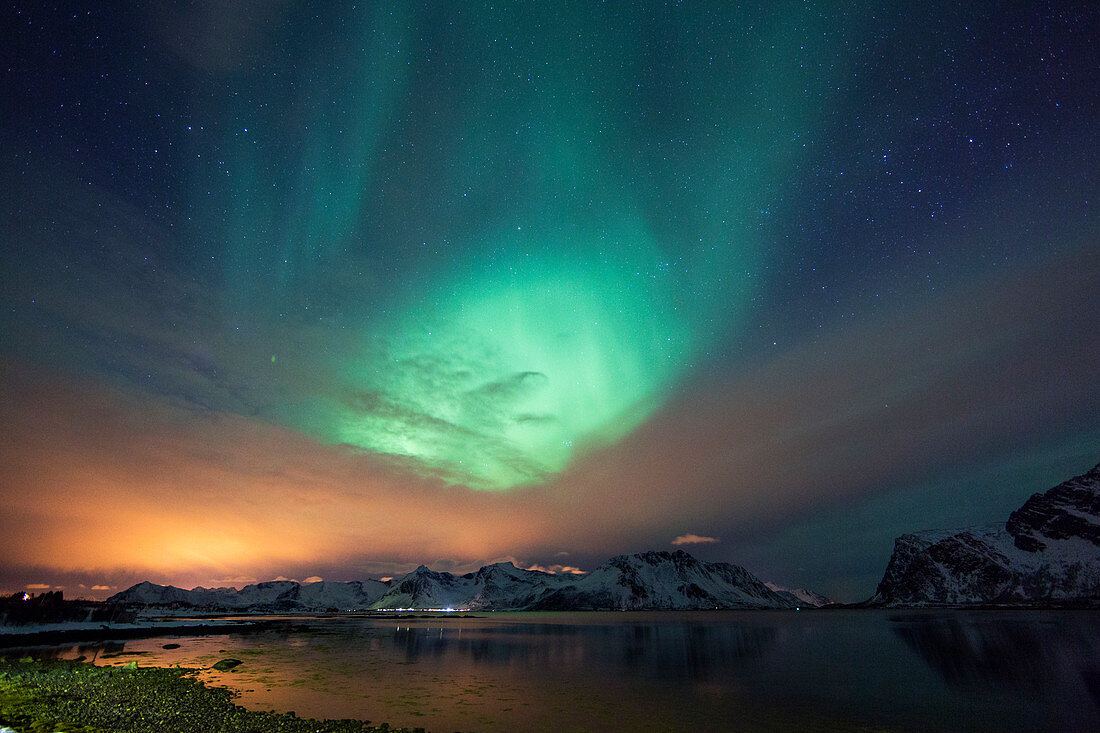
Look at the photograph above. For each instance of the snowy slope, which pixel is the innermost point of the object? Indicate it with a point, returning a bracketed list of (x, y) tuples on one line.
[(504, 586), (325, 595), (1047, 552), (802, 596), (425, 588)]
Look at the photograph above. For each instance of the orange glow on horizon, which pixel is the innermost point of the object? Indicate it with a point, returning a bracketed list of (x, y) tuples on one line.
[(152, 490)]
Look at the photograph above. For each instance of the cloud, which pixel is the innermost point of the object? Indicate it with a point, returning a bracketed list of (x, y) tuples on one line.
[(38, 586), (213, 41), (557, 569), (101, 587), (694, 539), (313, 579), (236, 580)]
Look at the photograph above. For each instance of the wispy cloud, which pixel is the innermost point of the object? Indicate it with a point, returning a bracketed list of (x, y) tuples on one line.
[(694, 539), (236, 580)]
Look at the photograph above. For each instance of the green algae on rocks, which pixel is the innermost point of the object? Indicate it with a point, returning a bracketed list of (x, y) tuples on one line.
[(71, 696)]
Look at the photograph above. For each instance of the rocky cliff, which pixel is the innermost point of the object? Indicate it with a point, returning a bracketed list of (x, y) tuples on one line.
[(1047, 553)]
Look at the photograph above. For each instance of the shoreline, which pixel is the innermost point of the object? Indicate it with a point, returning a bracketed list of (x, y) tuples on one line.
[(52, 634), (48, 635), (32, 635), (37, 695)]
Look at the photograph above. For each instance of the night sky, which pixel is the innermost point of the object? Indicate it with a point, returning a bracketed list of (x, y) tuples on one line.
[(335, 289)]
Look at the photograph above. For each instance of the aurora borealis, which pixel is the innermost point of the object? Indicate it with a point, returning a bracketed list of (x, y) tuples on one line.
[(299, 290), (561, 260)]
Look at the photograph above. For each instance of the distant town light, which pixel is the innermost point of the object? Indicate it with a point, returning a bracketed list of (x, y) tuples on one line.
[(429, 610)]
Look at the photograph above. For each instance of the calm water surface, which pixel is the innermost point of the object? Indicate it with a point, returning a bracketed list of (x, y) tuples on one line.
[(721, 671)]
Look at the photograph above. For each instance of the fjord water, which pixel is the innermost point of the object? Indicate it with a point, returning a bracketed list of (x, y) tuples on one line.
[(698, 671)]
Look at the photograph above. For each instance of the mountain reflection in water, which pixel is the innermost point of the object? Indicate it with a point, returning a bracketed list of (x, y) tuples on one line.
[(1032, 653), (681, 651)]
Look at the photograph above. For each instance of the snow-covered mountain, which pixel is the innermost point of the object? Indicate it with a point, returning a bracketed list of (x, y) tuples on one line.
[(501, 586), (802, 596), (275, 595), (645, 581), (662, 580), (1047, 552)]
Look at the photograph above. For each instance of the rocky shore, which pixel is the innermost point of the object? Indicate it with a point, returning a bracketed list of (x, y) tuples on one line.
[(42, 696)]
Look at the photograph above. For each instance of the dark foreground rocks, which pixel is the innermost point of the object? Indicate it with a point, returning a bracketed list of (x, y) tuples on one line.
[(71, 696), (225, 664)]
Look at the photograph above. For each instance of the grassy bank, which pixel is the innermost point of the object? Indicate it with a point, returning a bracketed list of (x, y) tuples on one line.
[(47, 696)]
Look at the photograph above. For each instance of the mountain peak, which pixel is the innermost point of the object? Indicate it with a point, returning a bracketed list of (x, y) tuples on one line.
[(654, 557), (1070, 509)]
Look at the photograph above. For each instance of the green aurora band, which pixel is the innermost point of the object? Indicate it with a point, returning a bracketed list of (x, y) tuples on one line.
[(524, 244)]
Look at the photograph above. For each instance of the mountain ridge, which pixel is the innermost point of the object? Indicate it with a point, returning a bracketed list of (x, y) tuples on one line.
[(655, 580)]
